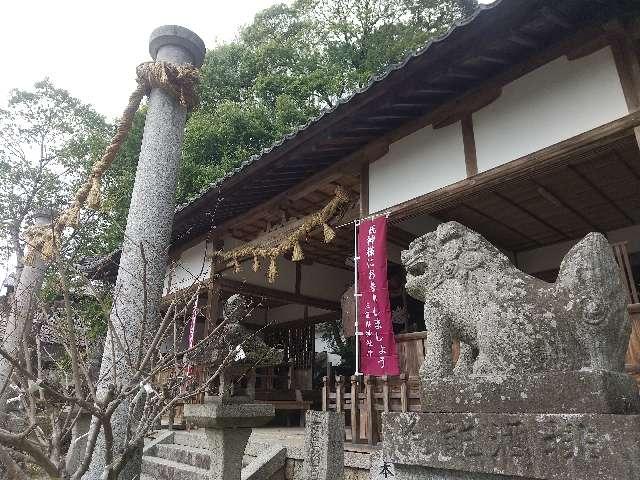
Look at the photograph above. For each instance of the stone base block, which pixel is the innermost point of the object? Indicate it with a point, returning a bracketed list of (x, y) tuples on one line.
[(584, 391), (228, 447), (323, 446), (540, 446), (219, 414)]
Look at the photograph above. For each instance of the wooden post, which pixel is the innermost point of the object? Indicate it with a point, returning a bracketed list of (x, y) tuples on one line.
[(370, 409), (628, 66), (251, 384), (325, 394), (214, 289), (404, 401), (385, 392), (339, 393), (470, 156), (355, 410)]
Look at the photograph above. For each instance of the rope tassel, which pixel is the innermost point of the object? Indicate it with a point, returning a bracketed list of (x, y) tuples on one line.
[(256, 264), (298, 254), (329, 233), (272, 274)]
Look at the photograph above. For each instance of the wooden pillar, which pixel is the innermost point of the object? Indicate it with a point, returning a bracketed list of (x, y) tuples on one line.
[(469, 142), (404, 401), (214, 288), (385, 393), (339, 393), (325, 394), (628, 66), (371, 411), (355, 410)]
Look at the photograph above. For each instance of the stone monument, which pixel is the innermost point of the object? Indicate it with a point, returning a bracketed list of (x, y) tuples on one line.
[(538, 390), (228, 418), (323, 446), (227, 423)]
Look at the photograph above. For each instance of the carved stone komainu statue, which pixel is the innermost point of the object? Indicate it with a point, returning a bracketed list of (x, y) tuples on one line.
[(508, 322), (538, 390)]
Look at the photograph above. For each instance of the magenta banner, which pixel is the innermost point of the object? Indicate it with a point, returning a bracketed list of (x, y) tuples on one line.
[(378, 355)]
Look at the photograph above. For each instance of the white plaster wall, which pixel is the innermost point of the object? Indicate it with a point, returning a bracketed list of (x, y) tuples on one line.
[(417, 164), (192, 266), (549, 257), (553, 103)]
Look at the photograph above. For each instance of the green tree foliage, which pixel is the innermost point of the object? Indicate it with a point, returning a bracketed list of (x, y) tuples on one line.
[(48, 140), (289, 64)]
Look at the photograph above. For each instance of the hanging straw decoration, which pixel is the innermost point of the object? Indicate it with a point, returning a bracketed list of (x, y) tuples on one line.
[(180, 81), (329, 233), (297, 254), (256, 263), (272, 274), (236, 265), (293, 242)]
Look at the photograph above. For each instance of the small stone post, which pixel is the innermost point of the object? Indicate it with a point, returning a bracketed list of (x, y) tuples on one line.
[(324, 446), (21, 316), (227, 423), (148, 231)]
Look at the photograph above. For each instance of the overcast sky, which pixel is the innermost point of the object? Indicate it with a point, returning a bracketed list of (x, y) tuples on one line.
[(91, 48)]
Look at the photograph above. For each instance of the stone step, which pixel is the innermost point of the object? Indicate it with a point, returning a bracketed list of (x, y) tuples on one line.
[(267, 464), (163, 469), (247, 459), (193, 438), (196, 457)]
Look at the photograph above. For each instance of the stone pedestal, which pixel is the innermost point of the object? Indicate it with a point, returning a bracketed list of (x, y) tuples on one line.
[(227, 424), (584, 391), (324, 446), (541, 446)]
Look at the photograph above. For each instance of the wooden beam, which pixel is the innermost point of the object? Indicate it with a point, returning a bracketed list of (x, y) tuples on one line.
[(243, 288), (468, 139), (312, 320), (555, 155)]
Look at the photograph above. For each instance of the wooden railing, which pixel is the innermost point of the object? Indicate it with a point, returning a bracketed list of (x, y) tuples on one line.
[(363, 399)]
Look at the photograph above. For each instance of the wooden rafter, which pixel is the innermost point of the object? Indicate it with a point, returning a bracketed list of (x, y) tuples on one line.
[(258, 291), (602, 194)]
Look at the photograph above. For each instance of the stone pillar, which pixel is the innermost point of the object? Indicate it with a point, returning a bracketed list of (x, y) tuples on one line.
[(21, 317), (149, 224), (227, 425), (324, 446)]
